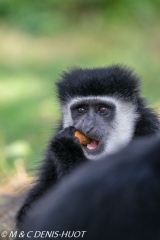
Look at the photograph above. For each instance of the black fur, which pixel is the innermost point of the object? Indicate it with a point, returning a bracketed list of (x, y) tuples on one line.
[(112, 199), (64, 152), (115, 80)]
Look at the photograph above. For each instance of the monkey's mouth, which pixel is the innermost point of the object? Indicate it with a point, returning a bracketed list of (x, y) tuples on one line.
[(86, 141), (93, 144)]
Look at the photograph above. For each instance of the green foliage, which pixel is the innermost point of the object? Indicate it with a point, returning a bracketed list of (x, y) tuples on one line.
[(51, 16)]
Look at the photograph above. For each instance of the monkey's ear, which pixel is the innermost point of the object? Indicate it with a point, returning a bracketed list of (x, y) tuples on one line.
[(84, 140)]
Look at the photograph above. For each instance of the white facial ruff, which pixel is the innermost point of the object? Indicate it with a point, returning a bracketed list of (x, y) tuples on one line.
[(122, 127)]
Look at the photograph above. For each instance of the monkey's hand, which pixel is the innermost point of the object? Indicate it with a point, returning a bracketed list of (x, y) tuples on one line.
[(66, 149), (65, 144)]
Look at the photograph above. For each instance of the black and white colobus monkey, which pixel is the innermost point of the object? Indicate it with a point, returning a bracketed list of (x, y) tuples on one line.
[(111, 199), (105, 105)]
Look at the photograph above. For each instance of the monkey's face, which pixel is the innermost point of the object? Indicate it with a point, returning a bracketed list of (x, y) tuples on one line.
[(107, 121), (90, 117)]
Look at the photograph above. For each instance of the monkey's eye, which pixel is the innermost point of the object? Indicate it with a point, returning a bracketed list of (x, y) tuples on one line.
[(102, 110), (81, 110)]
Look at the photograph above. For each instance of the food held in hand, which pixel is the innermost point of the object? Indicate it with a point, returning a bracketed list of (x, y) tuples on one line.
[(84, 140)]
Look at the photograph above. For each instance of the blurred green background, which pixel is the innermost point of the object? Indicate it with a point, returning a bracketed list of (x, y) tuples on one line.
[(41, 38)]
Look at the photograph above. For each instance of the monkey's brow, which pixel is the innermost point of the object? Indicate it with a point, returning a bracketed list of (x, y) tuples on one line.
[(93, 103)]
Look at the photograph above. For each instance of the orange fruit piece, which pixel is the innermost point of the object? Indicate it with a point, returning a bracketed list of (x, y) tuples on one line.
[(84, 140)]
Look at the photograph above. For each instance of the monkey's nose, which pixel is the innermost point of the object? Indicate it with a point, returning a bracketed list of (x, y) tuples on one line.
[(88, 126), (89, 130)]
